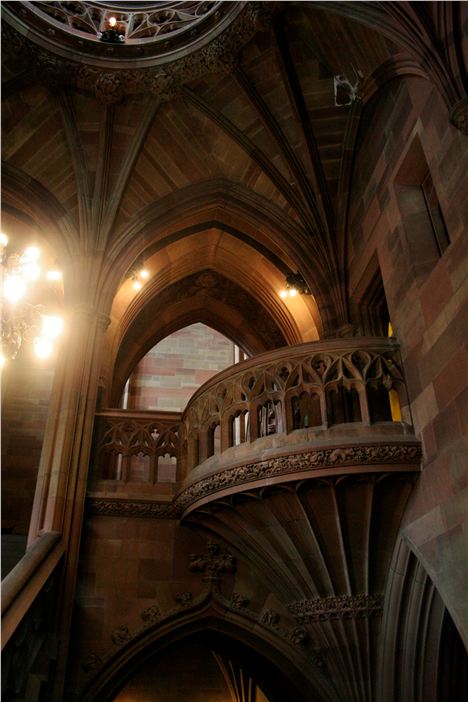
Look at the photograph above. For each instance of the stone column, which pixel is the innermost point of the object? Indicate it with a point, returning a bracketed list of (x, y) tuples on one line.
[(63, 470)]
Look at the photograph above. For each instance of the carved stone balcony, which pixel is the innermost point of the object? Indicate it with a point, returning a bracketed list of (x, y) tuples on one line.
[(327, 408)]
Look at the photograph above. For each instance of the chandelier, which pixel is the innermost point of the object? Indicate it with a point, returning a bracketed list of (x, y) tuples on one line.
[(21, 320), (295, 285)]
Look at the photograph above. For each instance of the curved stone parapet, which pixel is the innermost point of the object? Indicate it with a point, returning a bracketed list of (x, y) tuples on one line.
[(318, 409), (336, 389)]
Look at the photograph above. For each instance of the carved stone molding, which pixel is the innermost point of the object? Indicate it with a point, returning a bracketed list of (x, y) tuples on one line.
[(342, 607), (129, 508), (297, 463), (385, 454)]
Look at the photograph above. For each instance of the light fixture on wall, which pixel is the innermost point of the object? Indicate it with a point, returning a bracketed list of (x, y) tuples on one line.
[(295, 285), (21, 320), (111, 35), (138, 274)]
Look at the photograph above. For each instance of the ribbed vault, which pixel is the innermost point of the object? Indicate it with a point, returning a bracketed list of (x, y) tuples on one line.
[(252, 140)]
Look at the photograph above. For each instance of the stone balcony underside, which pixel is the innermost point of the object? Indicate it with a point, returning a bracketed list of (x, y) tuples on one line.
[(300, 462), (316, 410)]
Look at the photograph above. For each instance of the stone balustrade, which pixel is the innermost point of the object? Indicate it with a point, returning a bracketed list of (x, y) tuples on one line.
[(140, 447), (330, 388), (316, 385)]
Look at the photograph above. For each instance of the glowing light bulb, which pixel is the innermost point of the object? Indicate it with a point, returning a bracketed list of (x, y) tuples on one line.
[(292, 292), (53, 275), (144, 273), (51, 326), (32, 253), (42, 347), (283, 294), (112, 21), (137, 285), (14, 288), (31, 270), (3, 239)]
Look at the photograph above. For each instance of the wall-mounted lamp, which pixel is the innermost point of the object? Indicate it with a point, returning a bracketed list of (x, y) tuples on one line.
[(138, 274), (295, 285)]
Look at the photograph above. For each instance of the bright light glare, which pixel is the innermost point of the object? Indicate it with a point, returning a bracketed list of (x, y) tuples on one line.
[(2, 360), (283, 294), (3, 239), (32, 253), (144, 273), (42, 347), (31, 270), (292, 292), (112, 21), (137, 285), (51, 326), (14, 288), (53, 275)]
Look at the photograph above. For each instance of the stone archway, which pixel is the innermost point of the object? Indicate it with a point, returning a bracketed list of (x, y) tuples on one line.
[(230, 642)]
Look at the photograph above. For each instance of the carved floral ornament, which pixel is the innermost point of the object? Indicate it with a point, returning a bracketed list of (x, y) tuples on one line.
[(213, 562), (161, 78), (341, 607)]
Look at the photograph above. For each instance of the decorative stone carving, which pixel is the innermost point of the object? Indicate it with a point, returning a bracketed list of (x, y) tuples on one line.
[(341, 607), (184, 599), (214, 563), (108, 88), (128, 436), (238, 601), (151, 614), (298, 636), (232, 477), (354, 455), (92, 662), (121, 635), (124, 508), (218, 55), (270, 618)]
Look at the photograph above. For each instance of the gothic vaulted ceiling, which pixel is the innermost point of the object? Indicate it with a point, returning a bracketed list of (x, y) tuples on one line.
[(228, 146)]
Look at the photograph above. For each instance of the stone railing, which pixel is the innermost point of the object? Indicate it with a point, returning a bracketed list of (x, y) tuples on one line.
[(316, 385), (139, 447), (337, 390), (29, 597)]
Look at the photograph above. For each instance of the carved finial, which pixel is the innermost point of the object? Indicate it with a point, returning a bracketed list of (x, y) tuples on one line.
[(213, 563)]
